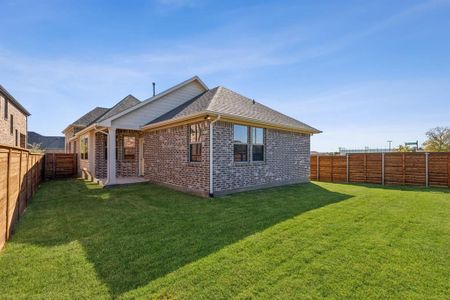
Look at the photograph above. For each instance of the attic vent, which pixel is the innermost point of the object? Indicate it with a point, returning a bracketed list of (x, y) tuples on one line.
[(154, 88), (254, 102)]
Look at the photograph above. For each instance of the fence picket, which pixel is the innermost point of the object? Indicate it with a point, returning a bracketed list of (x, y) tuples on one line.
[(15, 186), (424, 169)]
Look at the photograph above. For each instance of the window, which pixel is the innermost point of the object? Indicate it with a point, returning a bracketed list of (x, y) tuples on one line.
[(129, 147), (84, 148), (11, 125), (257, 144), (17, 138), (195, 143), (240, 141), (22, 140), (6, 108)]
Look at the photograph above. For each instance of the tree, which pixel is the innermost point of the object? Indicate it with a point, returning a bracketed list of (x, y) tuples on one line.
[(402, 148), (36, 148), (438, 140)]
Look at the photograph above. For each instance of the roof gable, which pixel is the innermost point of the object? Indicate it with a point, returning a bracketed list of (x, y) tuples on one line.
[(157, 97), (100, 113), (125, 103)]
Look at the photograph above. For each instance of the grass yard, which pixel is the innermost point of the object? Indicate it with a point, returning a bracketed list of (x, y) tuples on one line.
[(314, 240)]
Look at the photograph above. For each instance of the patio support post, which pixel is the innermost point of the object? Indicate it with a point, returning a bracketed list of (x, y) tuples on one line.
[(111, 163)]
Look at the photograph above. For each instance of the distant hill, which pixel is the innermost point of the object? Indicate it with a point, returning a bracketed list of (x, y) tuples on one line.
[(47, 143)]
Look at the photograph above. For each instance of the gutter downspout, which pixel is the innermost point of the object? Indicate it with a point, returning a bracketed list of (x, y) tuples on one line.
[(211, 156)]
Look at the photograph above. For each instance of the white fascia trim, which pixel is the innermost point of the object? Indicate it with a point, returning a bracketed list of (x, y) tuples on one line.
[(86, 130), (107, 122), (263, 123)]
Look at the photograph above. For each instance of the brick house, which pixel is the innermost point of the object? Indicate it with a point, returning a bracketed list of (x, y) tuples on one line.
[(192, 138), (13, 121)]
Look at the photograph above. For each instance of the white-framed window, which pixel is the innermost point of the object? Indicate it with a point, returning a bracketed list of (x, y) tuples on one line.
[(84, 148), (129, 147), (258, 139), (240, 143), (195, 143)]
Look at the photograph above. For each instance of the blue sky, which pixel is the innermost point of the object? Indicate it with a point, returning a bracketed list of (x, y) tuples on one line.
[(363, 72)]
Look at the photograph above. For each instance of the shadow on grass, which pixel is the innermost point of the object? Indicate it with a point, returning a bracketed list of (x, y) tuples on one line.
[(410, 188), (136, 234)]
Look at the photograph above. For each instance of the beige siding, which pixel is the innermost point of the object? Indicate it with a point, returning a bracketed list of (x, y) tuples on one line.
[(152, 110)]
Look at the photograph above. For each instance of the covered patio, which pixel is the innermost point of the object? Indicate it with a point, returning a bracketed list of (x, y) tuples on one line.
[(101, 144)]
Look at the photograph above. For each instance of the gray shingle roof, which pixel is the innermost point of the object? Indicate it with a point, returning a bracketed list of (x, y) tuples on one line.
[(125, 103), (90, 116), (46, 142), (101, 113), (221, 100)]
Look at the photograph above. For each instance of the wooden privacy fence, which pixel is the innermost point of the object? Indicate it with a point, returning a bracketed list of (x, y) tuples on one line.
[(21, 172), (60, 165), (20, 175), (423, 169)]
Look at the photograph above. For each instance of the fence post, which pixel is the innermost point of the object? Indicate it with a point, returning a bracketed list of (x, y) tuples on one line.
[(20, 186), (426, 169), (318, 168), (448, 170), (54, 166), (331, 173), (365, 168), (26, 182), (37, 174), (8, 190), (404, 168), (382, 168), (348, 169)]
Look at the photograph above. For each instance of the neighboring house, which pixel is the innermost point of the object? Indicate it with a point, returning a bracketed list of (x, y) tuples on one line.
[(49, 144), (192, 138), (13, 121)]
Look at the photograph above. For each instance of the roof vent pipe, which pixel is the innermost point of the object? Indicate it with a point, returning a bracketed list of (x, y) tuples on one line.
[(154, 89)]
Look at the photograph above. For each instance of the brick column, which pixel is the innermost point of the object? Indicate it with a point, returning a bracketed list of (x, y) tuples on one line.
[(111, 163)]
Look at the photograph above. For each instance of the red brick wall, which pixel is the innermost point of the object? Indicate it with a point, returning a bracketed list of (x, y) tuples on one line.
[(127, 167), (124, 167), (166, 155), (286, 161), (100, 159)]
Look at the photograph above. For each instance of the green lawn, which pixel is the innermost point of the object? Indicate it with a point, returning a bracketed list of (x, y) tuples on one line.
[(306, 241)]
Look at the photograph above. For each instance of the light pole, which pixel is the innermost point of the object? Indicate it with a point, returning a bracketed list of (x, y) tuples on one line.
[(390, 142)]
